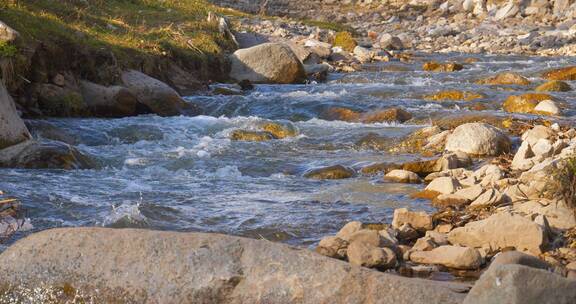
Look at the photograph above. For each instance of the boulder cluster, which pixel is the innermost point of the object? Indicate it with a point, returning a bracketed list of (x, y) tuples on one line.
[(493, 194)]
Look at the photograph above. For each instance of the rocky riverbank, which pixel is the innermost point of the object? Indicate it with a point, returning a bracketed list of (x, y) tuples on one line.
[(543, 28)]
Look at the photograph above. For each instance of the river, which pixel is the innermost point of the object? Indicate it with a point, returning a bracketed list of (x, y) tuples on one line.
[(184, 174)]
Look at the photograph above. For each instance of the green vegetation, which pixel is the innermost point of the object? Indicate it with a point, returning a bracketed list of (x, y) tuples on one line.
[(7, 50), (345, 40), (565, 181), (127, 27)]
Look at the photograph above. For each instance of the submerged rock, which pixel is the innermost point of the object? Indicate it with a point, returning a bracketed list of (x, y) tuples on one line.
[(142, 266), (554, 86), (434, 66), (332, 172), (506, 78), (524, 103), (12, 127), (386, 115), (33, 154), (246, 135), (568, 73), (454, 95), (157, 96), (478, 139), (267, 63), (280, 130)]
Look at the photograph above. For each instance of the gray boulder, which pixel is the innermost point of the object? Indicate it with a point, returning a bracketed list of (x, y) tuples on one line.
[(267, 63), (517, 284), (12, 128), (114, 101), (157, 96), (34, 154), (141, 266)]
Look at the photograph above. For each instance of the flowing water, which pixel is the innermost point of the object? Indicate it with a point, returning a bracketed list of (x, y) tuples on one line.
[(184, 174)]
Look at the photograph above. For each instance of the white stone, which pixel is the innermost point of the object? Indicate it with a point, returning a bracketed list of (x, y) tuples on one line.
[(547, 106)]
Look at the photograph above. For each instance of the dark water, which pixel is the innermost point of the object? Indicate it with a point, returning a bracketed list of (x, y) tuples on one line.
[(184, 174)]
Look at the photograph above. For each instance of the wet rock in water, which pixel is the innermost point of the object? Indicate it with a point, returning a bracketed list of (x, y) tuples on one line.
[(518, 258), (386, 115), (454, 95), (332, 172), (377, 142), (345, 41), (434, 66), (267, 63), (12, 127), (418, 220), (499, 231), (342, 114), (156, 96), (554, 86), (42, 129), (363, 254), (450, 256), (280, 130), (172, 267), (61, 101), (333, 247), (517, 284), (34, 154), (115, 101), (506, 78), (420, 141), (478, 139), (246, 135), (444, 185), (547, 107), (402, 176), (524, 103), (568, 73)]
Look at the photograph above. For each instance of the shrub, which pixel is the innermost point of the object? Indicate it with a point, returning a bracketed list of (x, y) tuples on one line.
[(345, 41)]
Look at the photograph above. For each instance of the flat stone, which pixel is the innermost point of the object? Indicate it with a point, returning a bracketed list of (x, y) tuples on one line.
[(143, 266), (499, 231), (449, 256)]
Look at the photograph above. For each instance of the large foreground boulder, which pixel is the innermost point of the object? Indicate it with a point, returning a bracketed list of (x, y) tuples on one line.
[(157, 96), (48, 154), (479, 139), (12, 128), (517, 284), (267, 63), (143, 266)]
